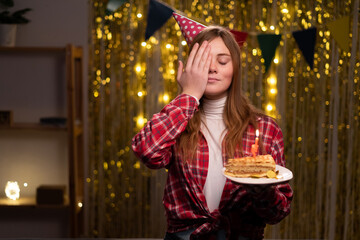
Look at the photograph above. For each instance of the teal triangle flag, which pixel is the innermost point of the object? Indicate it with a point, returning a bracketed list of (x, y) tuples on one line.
[(268, 44), (113, 5), (158, 14), (306, 40)]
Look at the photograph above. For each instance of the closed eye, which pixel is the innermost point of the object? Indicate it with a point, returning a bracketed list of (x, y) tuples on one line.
[(223, 63), (223, 59)]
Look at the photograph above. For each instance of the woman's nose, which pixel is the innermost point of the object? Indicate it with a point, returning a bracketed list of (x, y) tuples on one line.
[(212, 68)]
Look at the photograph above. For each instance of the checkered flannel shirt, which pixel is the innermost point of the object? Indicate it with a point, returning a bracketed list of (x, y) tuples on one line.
[(240, 212)]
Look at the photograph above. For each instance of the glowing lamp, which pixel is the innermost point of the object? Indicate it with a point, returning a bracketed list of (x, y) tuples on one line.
[(12, 190)]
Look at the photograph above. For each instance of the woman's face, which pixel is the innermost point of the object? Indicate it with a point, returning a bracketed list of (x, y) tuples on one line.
[(220, 71)]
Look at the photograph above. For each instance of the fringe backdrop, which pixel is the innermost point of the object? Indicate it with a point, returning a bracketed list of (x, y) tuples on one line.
[(318, 109)]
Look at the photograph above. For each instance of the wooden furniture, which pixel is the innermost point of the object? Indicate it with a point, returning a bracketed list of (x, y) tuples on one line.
[(72, 63)]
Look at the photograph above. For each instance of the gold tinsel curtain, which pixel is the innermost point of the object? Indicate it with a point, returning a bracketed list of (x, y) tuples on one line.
[(318, 110)]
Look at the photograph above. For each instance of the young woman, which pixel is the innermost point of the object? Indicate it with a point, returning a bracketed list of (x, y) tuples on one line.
[(194, 135)]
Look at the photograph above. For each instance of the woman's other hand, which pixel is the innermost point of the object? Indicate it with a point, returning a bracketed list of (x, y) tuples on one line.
[(193, 78)]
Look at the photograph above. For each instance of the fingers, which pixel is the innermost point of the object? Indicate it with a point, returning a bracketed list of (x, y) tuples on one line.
[(198, 56), (192, 55), (208, 61), (201, 55)]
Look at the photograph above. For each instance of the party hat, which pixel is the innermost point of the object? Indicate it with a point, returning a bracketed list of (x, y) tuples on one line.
[(188, 27)]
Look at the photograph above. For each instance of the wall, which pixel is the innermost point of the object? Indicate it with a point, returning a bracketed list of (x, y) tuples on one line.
[(25, 86)]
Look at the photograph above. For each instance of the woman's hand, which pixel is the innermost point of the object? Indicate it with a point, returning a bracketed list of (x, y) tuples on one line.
[(259, 190), (194, 77)]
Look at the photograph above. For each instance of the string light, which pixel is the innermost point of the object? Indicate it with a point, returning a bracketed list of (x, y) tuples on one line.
[(140, 94), (166, 98), (140, 121), (269, 107)]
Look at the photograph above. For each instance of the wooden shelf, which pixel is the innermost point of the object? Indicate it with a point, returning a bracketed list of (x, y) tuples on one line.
[(28, 202), (32, 49), (72, 57), (35, 126)]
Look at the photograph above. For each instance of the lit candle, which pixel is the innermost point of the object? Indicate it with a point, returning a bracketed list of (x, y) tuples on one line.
[(257, 137), (255, 147)]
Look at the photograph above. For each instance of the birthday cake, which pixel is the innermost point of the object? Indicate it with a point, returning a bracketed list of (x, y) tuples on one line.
[(259, 166)]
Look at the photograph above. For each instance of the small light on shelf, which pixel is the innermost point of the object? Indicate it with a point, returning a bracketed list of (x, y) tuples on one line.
[(80, 204), (12, 190)]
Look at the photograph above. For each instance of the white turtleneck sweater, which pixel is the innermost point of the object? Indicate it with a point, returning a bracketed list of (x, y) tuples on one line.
[(214, 135)]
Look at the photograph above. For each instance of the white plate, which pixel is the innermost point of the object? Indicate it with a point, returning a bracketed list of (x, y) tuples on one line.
[(283, 176)]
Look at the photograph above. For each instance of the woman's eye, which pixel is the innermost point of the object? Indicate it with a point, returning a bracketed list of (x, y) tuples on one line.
[(223, 63)]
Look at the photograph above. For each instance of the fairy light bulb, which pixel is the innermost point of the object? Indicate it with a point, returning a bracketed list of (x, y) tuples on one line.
[(272, 81), (166, 98), (273, 90), (269, 107), (140, 121), (285, 10)]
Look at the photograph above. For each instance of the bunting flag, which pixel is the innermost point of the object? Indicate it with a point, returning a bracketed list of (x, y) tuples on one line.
[(306, 40), (240, 37), (158, 15), (268, 44), (113, 5), (339, 29)]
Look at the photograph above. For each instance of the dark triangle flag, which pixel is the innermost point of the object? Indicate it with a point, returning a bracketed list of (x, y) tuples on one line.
[(268, 44), (306, 40), (240, 37), (158, 14)]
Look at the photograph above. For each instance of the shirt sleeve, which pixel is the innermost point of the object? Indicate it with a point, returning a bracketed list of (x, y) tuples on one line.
[(273, 204), (153, 144)]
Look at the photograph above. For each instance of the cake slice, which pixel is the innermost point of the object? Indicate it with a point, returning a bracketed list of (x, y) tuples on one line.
[(258, 166)]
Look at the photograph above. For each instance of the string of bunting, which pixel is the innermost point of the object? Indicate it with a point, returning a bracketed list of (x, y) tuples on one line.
[(159, 13)]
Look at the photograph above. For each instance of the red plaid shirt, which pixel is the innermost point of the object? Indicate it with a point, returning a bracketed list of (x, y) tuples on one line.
[(240, 212)]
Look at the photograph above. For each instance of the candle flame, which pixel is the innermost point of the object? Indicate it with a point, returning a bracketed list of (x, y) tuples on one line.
[(257, 133)]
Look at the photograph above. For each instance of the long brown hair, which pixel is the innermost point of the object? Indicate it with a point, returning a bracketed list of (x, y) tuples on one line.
[(238, 112)]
